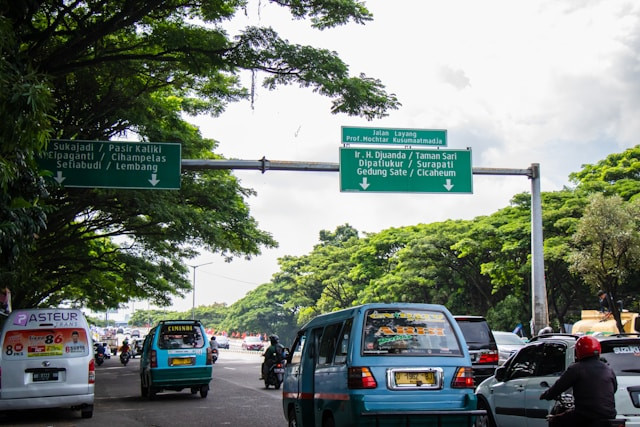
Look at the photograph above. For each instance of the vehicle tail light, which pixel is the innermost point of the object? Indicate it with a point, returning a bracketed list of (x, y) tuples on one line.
[(489, 357), (209, 356), (153, 359), (92, 371), (463, 378), (361, 377)]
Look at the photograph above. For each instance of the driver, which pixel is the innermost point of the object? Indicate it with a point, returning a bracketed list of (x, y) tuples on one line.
[(594, 385)]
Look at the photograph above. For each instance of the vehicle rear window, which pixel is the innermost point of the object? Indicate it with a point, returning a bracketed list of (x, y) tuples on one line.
[(476, 333), (180, 336), (408, 332), (51, 343), (623, 357)]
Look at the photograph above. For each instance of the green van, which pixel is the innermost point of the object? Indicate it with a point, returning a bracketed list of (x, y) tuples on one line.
[(176, 355), (380, 365)]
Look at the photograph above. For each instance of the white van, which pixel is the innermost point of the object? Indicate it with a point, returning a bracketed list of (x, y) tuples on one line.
[(47, 361)]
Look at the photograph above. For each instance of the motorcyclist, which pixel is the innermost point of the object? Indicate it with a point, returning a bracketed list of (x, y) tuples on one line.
[(213, 343), (100, 349), (594, 385), (125, 347), (272, 355)]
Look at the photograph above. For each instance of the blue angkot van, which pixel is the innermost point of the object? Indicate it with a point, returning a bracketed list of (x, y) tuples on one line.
[(380, 365), (176, 355)]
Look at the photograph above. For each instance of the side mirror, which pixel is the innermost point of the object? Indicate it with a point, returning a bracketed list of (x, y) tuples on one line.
[(501, 373)]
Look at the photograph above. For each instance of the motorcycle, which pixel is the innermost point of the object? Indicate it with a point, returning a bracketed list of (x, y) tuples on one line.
[(99, 358), (565, 402), (124, 357), (275, 375), (214, 355)]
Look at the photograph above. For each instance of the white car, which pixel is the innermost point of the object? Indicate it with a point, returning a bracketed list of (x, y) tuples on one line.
[(512, 396), (508, 343)]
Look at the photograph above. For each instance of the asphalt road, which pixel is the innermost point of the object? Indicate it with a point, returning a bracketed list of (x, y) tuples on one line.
[(236, 398)]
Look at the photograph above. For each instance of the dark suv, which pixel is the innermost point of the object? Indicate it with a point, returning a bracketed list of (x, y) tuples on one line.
[(482, 346)]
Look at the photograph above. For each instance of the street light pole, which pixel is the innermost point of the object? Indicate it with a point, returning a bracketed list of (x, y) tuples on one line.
[(193, 307)]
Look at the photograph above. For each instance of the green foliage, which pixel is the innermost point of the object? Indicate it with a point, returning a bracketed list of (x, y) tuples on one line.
[(96, 70)]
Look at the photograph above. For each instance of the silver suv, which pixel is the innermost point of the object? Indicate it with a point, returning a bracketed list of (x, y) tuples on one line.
[(512, 396)]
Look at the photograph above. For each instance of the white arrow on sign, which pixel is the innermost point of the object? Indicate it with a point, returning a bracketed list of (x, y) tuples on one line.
[(448, 185), (153, 179), (59, 177), (364, 184)]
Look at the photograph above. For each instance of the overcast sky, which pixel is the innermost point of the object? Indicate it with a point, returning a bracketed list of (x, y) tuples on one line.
[(549, 82)]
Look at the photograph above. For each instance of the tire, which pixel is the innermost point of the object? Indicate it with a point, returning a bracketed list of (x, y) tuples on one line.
[(291, 417), (204, 390), (277, 385), (266, 384), (484, 420), (328, 421), (87, 412)]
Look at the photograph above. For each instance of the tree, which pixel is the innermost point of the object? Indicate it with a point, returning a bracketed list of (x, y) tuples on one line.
[(607, 246), (95, 70)]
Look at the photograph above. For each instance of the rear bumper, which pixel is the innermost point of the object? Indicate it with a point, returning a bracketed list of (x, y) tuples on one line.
[(72, 401), (181, 377)]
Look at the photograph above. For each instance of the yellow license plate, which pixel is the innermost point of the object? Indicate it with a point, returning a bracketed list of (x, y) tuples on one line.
[(181, 361), (415, 378)]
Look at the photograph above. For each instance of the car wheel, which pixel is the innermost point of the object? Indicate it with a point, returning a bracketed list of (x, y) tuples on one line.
[(328, 421), (87, 412), (293, 422), (484, 420), (204, 390)]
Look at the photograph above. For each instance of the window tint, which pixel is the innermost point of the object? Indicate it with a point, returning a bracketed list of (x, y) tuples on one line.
[(296, 355), (525, 363), (180, 336), (408, 332), (475, 332), (328, 343), (553, 359), (343, 343), (622, 355)]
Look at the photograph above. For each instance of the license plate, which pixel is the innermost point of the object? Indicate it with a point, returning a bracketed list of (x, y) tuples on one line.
[(45, 376), (182, 361), (278, 370), (415, 378)]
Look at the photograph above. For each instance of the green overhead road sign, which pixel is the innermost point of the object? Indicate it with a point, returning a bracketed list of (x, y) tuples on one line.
[(401, 170), (426, 137), (113, 164)]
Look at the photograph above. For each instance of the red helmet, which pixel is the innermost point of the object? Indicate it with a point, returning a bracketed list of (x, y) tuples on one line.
[(587, 346)]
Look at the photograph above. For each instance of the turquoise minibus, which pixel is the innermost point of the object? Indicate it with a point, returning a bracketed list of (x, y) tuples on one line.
[(380, 365)]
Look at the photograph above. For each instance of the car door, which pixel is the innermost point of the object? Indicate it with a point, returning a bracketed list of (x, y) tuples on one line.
[(509, 395), (552, 362)]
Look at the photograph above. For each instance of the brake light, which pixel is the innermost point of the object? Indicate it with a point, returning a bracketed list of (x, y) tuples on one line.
[(153, 359), (463, 378), (361, 377), (92, 371), (489, 357), (209, 356)]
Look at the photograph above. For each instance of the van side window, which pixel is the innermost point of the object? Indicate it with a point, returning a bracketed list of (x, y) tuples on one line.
[(328, 343), (343, 343), (296, 355)]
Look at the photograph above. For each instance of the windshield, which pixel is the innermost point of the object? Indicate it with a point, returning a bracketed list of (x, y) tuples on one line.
[(50, 343), (408, 332), (180, 336)]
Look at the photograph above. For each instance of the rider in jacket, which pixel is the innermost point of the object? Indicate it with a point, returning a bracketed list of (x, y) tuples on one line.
[(272, 355), (594, 385)]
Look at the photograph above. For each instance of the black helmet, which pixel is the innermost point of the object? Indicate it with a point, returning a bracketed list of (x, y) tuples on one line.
[(274, 339)]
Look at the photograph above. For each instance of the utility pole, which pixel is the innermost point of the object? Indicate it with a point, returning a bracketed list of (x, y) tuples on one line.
[(193, 306)]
